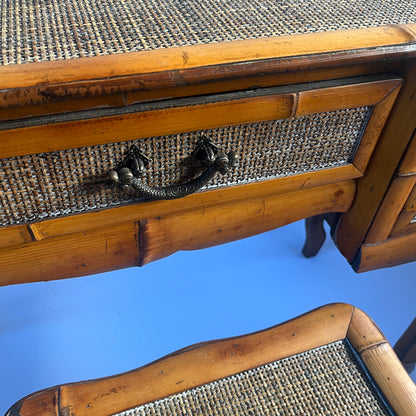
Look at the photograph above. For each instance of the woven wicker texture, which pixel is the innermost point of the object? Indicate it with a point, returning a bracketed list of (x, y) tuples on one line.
[(38, 30), (47, 185), (324, 381)]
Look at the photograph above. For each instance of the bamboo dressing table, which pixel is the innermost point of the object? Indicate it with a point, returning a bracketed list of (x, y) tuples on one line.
[(304, 108), (133, 129)]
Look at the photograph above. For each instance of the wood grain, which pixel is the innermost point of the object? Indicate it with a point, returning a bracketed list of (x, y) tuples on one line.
[(66, 71), (346, 96), (207, 362), (132, 213), (382, 363), (388, 253), (375, 125), (43, 403), (96, 249), (259, 76), (79, 254), (410, 205), (391, 378), (203, 363), (362, 332), (115, 128), (44, 105), (197, 81), (354, 225), (405, 347), (15, 235), (390, 209), (403, 224), (408, 164), (164, 235)]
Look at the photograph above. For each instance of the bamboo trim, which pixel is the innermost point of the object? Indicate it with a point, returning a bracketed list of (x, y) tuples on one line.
[(410, 205), (102, 67), (15, 235), (43, 403), (390, 209), (202, 363), (72, 134), (207, 362), (10, 110), (382, 363), (205, 80), (408, 165), (374, 128), (354, 225), (346, 96), (388, 253), (20, 234), (391, 378), (403, 224), (205, 227), (80, 254), (124, 245)]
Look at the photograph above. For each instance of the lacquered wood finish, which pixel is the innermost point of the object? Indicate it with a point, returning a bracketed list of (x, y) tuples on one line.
[(135, 239), (382, 363), (162, 236), (20, 234), (207, 362), (111, 69), (20, 140), (354, 225), (391, 230), (390, 209), (287, 199), (121, 80), (388, 253)]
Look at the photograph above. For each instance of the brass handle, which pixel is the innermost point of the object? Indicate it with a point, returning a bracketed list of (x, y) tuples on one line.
[(205, 155)]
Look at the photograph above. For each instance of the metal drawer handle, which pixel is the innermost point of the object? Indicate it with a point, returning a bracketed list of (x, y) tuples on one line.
[(205, 157)]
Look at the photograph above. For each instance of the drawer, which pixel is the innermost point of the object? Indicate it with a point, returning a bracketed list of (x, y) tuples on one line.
[(54, 166), (289, 139), (392, 236)]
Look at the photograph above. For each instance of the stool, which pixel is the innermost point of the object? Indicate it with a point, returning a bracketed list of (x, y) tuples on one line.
[(331, 361)]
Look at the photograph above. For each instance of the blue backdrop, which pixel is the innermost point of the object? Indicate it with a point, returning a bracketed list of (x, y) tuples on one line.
[(71, 330)]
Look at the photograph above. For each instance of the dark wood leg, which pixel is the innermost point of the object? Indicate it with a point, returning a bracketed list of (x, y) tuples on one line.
[(405, 348), (315, 235)]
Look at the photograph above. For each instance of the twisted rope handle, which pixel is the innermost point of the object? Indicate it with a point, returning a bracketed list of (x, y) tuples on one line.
[(127, 176)]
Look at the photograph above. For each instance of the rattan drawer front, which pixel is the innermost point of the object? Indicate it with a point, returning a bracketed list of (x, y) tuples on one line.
[(48, 185), (277, 132)]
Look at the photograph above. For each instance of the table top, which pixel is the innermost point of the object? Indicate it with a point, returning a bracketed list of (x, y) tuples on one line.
[(71, 29)]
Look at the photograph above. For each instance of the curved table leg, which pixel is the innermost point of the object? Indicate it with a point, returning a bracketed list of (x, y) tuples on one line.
[(315, 235)]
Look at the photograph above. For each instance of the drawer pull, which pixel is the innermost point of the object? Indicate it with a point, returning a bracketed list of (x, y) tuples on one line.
[(204, 162)]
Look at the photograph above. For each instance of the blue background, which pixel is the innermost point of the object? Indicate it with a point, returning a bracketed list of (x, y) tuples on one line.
[(76, 329)]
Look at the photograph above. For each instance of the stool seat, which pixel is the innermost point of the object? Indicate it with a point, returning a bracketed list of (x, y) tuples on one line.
[(331, 361)]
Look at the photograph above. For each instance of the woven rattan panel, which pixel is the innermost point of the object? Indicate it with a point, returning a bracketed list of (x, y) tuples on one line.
[(65, 182), (324, 381), (38, 30)]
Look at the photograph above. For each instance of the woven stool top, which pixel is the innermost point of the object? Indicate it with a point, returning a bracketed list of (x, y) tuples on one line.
[(328, 380), (37, 30)]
